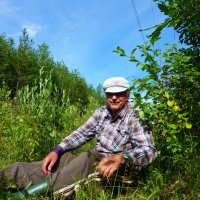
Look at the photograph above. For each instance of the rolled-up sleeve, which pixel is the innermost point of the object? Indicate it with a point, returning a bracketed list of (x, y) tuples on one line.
[(143, 151), (82, 135)]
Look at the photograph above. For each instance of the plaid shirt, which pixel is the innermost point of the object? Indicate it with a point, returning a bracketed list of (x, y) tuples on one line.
[(122, 133)]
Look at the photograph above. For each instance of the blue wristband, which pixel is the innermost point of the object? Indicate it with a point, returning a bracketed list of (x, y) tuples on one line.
[(57, 150)]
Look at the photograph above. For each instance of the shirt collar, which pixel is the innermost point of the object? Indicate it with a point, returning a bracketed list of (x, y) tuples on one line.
[(119, 114)]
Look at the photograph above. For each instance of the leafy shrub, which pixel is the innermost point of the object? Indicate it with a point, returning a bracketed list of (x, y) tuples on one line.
[(169, 97)]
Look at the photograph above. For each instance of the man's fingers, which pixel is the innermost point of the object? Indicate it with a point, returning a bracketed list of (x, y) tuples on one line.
[(109, 165), (100, 165), (44, 167), (110, 173), (51, 165), (100, 169), (106, 172)]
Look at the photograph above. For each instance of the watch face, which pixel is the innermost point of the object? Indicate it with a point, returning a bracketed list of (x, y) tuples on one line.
[(125, 155)]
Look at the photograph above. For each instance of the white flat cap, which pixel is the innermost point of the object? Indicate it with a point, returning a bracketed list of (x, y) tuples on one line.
[(116, 84)]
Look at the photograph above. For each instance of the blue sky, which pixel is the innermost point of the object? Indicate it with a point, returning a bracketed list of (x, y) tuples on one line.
[(84, 33)]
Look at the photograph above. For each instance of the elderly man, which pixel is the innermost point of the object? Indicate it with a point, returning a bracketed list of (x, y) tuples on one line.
[(121, 141)]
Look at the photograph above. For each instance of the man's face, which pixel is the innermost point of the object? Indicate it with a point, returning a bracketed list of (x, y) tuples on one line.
[(117, 101)]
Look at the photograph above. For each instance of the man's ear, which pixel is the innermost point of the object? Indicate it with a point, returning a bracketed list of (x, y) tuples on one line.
[(128, 94)]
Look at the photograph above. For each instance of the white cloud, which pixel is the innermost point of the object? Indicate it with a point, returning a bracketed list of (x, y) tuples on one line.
[(7, 7), (32, 29)]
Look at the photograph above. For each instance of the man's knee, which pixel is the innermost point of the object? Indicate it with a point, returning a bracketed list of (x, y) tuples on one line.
[(17, 165), (86, 156)]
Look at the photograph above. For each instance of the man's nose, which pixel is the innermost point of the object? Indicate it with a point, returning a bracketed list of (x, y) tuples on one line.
[(114, 96)]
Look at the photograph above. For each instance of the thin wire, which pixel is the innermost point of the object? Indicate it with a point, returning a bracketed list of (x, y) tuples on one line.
[(154, 21), (138, 20), (152, 11)]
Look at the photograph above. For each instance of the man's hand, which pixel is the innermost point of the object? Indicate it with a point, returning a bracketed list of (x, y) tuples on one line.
[(110, 164), (49, 162)]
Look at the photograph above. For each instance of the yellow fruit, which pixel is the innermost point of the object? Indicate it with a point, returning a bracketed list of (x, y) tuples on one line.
[(170, 103), (188, 125), (176, 108), (166, 95)]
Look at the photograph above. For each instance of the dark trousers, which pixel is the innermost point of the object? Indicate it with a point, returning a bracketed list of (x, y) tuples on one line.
[(67, 170)]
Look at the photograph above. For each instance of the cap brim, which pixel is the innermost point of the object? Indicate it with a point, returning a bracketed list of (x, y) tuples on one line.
[(116, 89)]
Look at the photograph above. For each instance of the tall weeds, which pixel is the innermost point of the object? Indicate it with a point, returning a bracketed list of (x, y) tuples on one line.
[(35, 121)]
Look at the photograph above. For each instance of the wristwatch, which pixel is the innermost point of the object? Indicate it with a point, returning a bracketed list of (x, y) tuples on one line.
[(125, 155)]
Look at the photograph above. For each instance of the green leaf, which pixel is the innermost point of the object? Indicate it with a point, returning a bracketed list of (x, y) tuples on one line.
[(120, 51), (155, 35), (166, 95), (132, 52), (163, 8), (173, 126), (133, 59), (141, 114)]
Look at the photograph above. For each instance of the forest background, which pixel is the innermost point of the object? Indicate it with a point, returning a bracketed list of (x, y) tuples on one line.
[(41, 101)]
